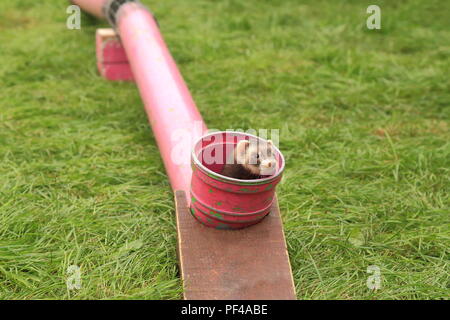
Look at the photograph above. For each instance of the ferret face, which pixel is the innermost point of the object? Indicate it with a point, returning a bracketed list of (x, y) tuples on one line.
[(258, 158)]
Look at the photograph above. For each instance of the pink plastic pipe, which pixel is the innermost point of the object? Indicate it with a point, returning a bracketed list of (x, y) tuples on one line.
[(169, 105), (172, 113)]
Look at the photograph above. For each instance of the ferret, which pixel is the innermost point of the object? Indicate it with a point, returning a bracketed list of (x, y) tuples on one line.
[(251, 161)]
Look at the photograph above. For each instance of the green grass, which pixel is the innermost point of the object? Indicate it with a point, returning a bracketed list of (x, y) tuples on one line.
[(364, 123)]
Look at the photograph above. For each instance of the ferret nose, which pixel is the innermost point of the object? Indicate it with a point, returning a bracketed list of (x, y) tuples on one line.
[(269, 164)]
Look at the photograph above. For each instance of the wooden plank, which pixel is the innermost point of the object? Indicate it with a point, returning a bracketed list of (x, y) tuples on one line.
[(251, 263)]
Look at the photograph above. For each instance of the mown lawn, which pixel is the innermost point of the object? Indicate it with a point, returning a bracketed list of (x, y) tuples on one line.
[(364, 125)]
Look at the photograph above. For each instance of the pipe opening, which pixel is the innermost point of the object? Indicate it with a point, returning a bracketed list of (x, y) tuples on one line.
[(223, 202), (111, 9)]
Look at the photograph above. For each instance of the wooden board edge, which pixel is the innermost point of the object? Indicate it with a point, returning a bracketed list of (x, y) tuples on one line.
[(182, 208)]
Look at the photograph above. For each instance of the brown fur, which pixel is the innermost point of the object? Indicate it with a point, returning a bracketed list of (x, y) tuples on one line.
[(238, 171), (242, 167)]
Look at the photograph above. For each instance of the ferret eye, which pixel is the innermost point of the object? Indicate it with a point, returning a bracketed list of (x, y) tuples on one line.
[(257, 156)]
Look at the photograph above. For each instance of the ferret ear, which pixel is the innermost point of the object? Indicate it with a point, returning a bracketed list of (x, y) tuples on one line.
[(269, 149), (242, 146)]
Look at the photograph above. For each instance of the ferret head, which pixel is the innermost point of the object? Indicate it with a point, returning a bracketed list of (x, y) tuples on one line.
[(258, 158)]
